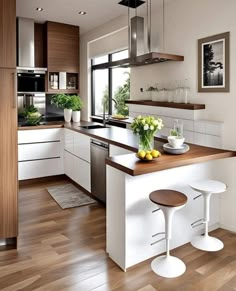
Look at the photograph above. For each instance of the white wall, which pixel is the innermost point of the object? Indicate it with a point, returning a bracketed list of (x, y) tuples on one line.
[(186, 22)]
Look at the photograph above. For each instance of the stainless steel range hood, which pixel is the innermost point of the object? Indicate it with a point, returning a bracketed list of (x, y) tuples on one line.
[(26, 45), (136, 42)]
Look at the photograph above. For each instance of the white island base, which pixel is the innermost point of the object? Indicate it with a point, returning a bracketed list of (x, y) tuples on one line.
[(131, 222)]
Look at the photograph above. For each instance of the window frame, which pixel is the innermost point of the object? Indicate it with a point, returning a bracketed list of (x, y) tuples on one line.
[(110, 88)]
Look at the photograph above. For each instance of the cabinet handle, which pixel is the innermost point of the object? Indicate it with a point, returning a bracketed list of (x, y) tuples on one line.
[(14, 89)]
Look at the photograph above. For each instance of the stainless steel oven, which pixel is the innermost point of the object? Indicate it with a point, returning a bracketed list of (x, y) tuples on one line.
[(30, 81)]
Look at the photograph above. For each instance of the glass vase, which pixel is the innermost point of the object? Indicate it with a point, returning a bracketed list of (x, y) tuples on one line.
[(145, 142)]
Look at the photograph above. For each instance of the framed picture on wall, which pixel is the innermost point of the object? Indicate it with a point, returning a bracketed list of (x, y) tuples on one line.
[(213, 63)]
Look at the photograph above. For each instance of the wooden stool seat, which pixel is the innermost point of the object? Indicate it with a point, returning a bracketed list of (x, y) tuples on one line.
[(168, 198)]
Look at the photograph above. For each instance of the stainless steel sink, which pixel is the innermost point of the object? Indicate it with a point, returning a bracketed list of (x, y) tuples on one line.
[(93, 126)]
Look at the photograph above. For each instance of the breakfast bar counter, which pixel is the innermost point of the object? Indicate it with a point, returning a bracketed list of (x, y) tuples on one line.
[(131, 165), (132, 220)]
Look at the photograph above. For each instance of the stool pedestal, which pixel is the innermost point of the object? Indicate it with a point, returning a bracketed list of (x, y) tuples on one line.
[(168, 266), (206, 242)]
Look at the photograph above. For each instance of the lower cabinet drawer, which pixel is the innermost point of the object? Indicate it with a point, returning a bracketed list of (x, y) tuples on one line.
[(39, 135), (40, 168), (28, 152), (82, 174), (78, 170)]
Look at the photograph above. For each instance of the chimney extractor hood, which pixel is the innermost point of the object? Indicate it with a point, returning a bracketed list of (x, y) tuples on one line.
[(136, 42), (26, 45)]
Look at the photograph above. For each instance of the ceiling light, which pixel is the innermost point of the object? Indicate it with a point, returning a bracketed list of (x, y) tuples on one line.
[(82, 12), (39, 9)]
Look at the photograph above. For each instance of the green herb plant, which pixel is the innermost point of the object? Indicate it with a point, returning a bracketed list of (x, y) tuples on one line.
[(62, 101), (76, 102)]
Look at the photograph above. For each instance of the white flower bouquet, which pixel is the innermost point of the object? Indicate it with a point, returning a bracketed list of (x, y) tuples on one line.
[(146, 127)]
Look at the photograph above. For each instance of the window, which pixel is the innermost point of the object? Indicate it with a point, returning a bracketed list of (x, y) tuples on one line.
[(110, 87)]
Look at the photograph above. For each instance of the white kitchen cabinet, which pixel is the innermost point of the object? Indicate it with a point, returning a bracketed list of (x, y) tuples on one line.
[(69, 165), (77, 158), (40, 153), (82, 146), (117, 151), (82, 174), (69, 140), (78, 170), (39, 135), (77, 144), (39, 168)]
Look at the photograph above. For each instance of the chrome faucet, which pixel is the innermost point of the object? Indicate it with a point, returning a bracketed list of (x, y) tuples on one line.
[(104, 114), (105, 120)]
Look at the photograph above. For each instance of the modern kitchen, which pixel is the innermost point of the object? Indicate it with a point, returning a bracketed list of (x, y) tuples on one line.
[(117, 154)]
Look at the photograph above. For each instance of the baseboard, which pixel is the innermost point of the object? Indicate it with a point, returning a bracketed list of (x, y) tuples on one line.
[(228, 227), (8, 244), (42, 180)]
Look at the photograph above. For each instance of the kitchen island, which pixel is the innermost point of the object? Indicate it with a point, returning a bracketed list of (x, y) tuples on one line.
[(130, 221), (131, 217)]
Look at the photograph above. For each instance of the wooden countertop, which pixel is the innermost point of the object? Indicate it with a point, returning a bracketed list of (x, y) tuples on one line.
[(131, 165), (114, 135), (49, 124), (118, 136)]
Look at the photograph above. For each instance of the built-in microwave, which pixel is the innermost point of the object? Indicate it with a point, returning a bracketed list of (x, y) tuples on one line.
[(30, 81)]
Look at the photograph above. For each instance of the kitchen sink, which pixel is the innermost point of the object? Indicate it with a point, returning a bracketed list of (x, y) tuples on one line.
[(93, 126)]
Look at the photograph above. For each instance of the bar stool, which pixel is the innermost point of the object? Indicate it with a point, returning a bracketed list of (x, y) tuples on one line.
[(168, 201), (207, 188)]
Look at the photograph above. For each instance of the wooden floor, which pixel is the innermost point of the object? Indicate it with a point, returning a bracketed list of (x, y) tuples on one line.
[(65, 250)]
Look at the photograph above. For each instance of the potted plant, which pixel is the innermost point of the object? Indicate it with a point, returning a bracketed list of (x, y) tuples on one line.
[(77, 104), (63, 101), (32, 116)]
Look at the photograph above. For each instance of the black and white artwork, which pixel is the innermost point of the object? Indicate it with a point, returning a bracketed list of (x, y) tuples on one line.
[(213, 63)]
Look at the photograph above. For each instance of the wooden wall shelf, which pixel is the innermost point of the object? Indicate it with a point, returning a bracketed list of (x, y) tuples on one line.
[(187, 106)]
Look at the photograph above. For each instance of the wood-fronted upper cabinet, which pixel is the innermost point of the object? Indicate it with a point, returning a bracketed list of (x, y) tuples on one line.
[(62, 47), (8, 154), (40, 45), (7, 33)]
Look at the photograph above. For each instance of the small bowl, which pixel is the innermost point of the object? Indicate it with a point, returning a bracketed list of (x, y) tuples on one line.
[(176, 141)]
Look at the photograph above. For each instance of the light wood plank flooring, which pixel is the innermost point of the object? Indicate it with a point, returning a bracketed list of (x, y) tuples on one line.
[(65, 250)]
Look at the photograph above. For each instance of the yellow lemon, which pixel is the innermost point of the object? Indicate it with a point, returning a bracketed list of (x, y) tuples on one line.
[(149, 157), (155, 153), (141, 154)]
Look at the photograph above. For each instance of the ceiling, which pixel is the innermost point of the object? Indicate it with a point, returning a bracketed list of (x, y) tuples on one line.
[(66, 11)]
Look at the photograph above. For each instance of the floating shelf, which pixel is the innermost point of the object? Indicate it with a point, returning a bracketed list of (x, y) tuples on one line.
[(187, 106)]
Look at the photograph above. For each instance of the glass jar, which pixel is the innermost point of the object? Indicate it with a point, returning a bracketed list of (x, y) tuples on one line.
[(187, 91), (179, 127)]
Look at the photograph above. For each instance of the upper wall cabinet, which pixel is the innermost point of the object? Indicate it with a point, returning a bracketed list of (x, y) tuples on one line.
[(7, 33), (40, 45), (62, 47)]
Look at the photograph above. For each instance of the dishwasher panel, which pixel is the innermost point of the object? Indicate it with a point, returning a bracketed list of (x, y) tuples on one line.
[(99, 152)]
